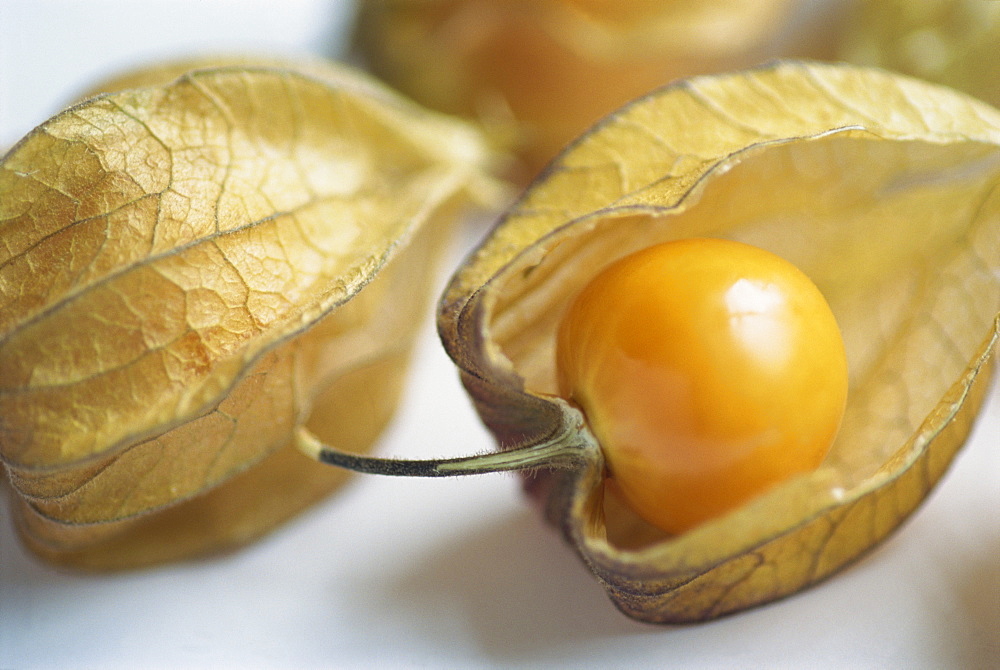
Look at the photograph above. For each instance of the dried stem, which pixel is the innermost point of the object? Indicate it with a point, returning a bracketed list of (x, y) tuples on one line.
[(563, 451)]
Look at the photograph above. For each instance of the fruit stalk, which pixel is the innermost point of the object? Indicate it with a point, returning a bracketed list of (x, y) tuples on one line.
[(564, 450)]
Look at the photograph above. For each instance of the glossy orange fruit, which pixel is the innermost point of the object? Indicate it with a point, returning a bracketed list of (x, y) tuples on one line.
[(709, 371)]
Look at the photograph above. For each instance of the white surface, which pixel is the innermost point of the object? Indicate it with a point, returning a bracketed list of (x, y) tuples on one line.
[(444, 573)]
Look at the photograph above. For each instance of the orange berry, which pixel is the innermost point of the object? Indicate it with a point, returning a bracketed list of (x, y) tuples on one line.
[(709, 371)]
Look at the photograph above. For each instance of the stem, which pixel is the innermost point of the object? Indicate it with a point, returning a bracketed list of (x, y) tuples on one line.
[(561, 451)]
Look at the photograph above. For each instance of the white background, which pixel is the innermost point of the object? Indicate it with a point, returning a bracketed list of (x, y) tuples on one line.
[(442, 573)]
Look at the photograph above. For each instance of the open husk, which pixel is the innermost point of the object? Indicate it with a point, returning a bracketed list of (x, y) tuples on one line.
[(191, 268), (883, 189)]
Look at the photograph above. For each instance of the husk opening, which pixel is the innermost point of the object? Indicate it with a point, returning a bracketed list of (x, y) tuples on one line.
[(896, 217)]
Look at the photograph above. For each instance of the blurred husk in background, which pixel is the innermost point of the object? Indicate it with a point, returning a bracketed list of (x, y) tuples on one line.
[(537, 73), (950, 42)]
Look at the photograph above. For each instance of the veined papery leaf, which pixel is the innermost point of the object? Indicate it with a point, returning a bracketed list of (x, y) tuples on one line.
[(883, 189), (192, 267)]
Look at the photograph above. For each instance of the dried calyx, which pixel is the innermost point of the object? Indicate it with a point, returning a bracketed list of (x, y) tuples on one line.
[(192, 264), (889, 202)]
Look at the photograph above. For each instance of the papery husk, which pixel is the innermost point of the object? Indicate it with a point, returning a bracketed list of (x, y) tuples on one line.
[(192, 268), (537, 73), (883, 189)]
